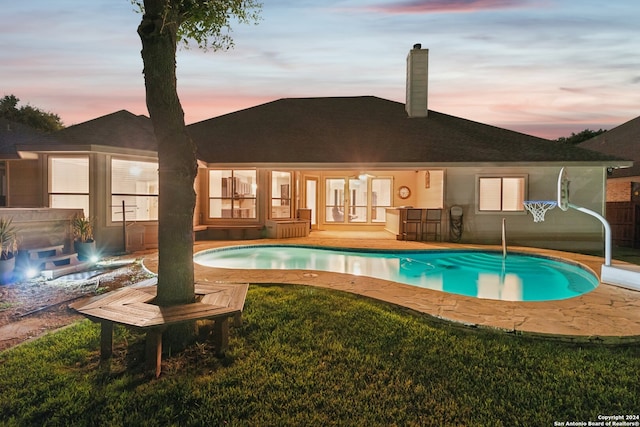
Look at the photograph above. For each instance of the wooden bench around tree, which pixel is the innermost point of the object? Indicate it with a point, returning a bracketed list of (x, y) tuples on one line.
[(131, 307)]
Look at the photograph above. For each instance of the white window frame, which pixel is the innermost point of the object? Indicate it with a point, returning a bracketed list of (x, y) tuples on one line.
[(501, 210), (280, 203), (51, 194), (235, 200), (115, 210)]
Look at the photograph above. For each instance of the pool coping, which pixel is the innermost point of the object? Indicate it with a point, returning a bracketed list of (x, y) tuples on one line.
[(608, 314)]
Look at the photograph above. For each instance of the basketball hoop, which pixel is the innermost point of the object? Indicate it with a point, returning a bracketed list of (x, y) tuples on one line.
[(539, 207), (563, 190)]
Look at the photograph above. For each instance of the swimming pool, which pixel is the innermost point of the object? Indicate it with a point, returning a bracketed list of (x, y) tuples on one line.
[(475, 273)]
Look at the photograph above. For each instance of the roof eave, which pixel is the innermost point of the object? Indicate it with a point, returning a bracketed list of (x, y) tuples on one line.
[(413, 165), (28, 151)]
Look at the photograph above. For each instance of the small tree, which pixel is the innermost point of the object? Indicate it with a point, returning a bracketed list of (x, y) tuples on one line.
[(577, 138), (28, 115), (165, 24)]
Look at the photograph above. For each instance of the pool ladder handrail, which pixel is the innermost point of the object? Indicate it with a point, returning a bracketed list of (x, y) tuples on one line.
[(504, 238)]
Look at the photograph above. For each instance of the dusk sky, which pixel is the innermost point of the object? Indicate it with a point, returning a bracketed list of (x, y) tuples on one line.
[(543, 67)]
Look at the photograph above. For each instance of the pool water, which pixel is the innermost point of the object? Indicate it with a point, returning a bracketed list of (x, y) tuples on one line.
[(480, 274)]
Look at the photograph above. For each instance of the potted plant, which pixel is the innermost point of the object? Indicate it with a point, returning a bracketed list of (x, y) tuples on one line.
[(83, 243), (9, 243)]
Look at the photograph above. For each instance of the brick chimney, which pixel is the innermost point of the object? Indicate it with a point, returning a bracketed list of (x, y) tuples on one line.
[(417, 81)]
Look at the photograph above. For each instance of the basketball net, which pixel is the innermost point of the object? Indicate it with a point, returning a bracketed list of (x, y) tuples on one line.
[(538, 208)]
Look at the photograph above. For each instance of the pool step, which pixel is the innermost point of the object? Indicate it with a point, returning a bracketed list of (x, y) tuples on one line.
[(493, 262), (577, 281)]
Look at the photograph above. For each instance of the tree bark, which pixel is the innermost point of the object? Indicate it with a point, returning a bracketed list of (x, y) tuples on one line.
[(176, 154)]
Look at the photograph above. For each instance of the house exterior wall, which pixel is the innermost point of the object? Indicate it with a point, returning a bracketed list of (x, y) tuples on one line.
[(570, 230), (110, 233), (431, 197), (619, 190), (25, 189), (406, 179)]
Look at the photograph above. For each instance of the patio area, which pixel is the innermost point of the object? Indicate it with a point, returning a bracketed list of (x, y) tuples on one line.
[(608, 314)]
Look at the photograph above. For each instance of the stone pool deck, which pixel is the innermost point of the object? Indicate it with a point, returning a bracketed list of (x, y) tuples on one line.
[(607, 314)]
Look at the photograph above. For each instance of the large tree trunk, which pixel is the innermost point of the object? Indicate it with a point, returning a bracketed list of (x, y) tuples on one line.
[(176, 154)]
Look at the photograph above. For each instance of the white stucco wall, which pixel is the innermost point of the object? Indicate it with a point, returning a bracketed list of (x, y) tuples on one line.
[(433, 196), (560, 230)]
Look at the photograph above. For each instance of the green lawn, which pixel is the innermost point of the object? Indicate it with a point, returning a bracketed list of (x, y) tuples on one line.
[(312, 357)]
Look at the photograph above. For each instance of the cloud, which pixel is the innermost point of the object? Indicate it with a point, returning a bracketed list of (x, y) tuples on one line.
[(444, 6), (574, 90)]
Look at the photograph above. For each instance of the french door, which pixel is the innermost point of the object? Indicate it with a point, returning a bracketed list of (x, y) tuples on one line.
[(357, 200)]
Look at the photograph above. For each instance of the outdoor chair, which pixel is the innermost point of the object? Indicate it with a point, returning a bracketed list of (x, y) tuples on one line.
[(433, 219), (413, 221)]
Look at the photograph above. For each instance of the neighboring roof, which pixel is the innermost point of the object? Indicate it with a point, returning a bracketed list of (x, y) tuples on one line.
[(121, 129), (624, 141), (12, 134), (368, 131)]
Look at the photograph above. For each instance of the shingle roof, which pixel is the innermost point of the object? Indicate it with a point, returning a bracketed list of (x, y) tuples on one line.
[(622, 141), (120, 129), (331, 131), (366, 130), (12, 134)]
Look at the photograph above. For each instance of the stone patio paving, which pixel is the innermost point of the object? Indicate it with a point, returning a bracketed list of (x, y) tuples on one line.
[(608, 313)]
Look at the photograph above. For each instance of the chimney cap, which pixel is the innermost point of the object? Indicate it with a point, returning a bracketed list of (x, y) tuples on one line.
[(417, 46)]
